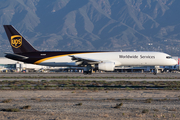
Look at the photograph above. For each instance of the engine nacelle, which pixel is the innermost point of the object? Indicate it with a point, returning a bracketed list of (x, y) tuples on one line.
[(106, 66)]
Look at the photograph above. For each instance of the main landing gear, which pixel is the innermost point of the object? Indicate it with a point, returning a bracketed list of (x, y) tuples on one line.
[(88, 70), (154, 72)]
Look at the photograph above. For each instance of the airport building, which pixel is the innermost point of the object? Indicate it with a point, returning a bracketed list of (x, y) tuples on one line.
[(8, 65)]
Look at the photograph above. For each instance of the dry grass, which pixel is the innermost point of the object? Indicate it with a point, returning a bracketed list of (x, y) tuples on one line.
[(156, 110), (88, 85), (172, 109), (7, 101), (26, 107), (138, 115), (148, 100), (104, 115), (37, 99), (73, 92), (79, 104), (11, 110)]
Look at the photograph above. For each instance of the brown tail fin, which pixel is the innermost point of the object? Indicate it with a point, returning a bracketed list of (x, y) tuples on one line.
[(18, 43)]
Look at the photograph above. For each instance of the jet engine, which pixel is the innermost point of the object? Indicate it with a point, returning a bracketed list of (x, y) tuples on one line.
[(106, 66)]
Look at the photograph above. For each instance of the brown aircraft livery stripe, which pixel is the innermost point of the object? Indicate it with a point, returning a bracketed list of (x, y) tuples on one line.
[(37, 58)]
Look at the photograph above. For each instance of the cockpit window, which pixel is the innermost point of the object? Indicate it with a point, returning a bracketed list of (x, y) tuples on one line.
[(168, 57)]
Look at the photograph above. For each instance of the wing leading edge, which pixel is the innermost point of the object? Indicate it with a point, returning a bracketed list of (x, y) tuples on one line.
[(84, 61)]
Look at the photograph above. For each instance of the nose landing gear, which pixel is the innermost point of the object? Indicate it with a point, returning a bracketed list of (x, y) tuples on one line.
[(155, 70)]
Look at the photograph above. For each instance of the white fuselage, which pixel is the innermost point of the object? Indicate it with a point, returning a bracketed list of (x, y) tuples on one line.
[(119, 58)]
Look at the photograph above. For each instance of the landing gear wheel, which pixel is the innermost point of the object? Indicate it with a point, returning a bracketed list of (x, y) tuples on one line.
[(85, 72), (89, 72)]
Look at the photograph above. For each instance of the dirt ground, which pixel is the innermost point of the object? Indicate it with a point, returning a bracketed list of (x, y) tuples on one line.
[(91, 105)]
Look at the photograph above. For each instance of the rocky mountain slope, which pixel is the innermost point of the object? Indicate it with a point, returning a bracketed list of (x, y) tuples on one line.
[(113, 25)]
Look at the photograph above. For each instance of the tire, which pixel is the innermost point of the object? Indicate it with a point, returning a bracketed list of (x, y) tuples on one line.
[(89, 72), (85, 72)]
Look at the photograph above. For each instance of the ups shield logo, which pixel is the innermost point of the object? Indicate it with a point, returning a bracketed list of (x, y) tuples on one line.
[(16, 41)]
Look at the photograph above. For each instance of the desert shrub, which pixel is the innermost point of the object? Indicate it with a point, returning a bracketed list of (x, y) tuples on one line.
[(7, 101), (172, 109), (145, 111), (118, 105), (79, 104), (26, 107), (156, 110), (148, 100), (84, 88)]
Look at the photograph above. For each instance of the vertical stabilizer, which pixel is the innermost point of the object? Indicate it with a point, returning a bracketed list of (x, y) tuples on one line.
[(18, 43)]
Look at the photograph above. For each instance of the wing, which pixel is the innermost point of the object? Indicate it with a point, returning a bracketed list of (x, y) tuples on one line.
[(84, 61)]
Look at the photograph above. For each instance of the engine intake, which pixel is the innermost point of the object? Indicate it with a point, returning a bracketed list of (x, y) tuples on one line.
[(106, 66)]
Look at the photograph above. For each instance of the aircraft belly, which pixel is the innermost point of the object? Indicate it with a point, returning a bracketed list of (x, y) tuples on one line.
[(59, 59)]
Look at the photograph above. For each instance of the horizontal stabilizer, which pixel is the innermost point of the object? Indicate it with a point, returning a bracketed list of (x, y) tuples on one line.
[(15, 56)]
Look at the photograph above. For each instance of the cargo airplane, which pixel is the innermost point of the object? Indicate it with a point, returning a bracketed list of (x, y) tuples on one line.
[(101, 60)]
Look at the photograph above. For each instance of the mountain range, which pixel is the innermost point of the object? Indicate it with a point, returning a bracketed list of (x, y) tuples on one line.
[(91, 25)]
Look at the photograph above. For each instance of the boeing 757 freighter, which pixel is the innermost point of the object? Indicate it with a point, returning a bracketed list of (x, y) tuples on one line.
[(102, 60)]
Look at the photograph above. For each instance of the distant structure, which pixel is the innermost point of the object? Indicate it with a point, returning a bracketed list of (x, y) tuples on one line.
[(8, 65)]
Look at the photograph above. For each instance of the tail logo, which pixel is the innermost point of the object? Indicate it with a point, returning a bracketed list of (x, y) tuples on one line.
[(16, 41)]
